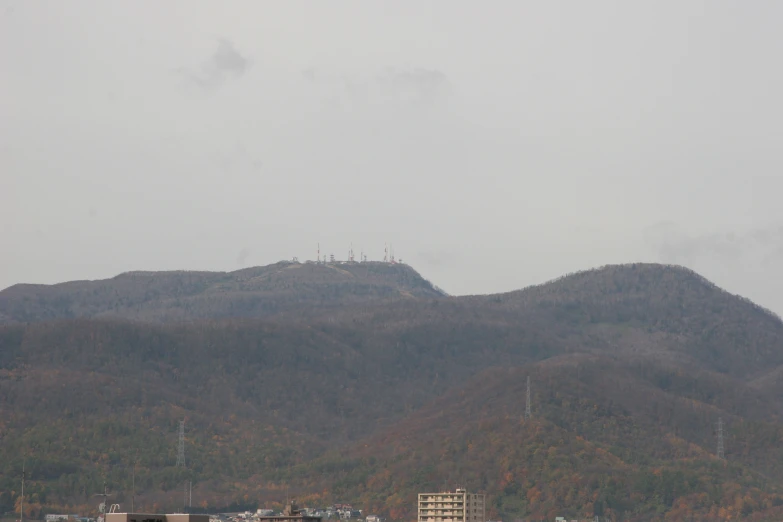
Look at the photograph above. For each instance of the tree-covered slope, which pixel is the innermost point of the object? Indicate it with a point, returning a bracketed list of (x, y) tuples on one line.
[(357, 397)]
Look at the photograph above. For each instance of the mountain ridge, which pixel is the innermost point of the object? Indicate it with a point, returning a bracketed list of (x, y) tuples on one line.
[(187, 295)]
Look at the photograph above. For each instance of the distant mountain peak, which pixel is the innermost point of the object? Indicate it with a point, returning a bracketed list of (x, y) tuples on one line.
[(189, 294), (639, 280)]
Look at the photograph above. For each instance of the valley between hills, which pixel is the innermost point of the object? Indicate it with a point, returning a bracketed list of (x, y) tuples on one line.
[(365, 383)]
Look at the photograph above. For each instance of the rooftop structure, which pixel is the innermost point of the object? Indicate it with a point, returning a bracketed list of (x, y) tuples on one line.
[(149, 517), (290, 513), (457, 506)]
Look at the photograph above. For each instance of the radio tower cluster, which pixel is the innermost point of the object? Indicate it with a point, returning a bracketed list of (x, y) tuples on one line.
[(388, 256), (527, 400)]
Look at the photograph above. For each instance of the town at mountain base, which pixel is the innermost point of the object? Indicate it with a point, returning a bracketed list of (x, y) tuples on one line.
[(377, 386)]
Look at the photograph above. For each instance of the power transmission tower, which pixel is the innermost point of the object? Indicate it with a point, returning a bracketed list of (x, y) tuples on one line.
[(181, 462), (133, 483), (720, 438), (181, 447), (21, 503), (133, 488), (527, 401)]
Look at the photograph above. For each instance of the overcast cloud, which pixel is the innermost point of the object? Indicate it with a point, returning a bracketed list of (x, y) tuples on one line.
[(495, 145), (222, 65)]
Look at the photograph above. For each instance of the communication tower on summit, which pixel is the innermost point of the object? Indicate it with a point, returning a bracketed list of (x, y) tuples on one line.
[(527, 400), (350, 254), (385, 253), (720, 439)]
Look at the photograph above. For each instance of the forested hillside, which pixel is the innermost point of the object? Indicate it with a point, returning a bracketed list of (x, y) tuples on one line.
[(606, 437), (371, 396)]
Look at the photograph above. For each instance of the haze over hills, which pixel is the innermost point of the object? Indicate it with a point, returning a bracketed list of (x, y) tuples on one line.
[(370, 386)]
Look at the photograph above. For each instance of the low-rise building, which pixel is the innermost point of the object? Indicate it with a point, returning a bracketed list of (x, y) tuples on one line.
[(457, 506)]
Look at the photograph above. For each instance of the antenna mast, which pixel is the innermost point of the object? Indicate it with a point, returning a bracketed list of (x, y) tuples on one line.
[(527, 400), (720, 438), (104, 507)]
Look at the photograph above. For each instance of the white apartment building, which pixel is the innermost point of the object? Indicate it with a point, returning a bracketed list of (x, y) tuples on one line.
[(459, 506)]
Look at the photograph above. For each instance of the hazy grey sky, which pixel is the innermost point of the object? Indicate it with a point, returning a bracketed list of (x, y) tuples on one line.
[(494, 144)]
